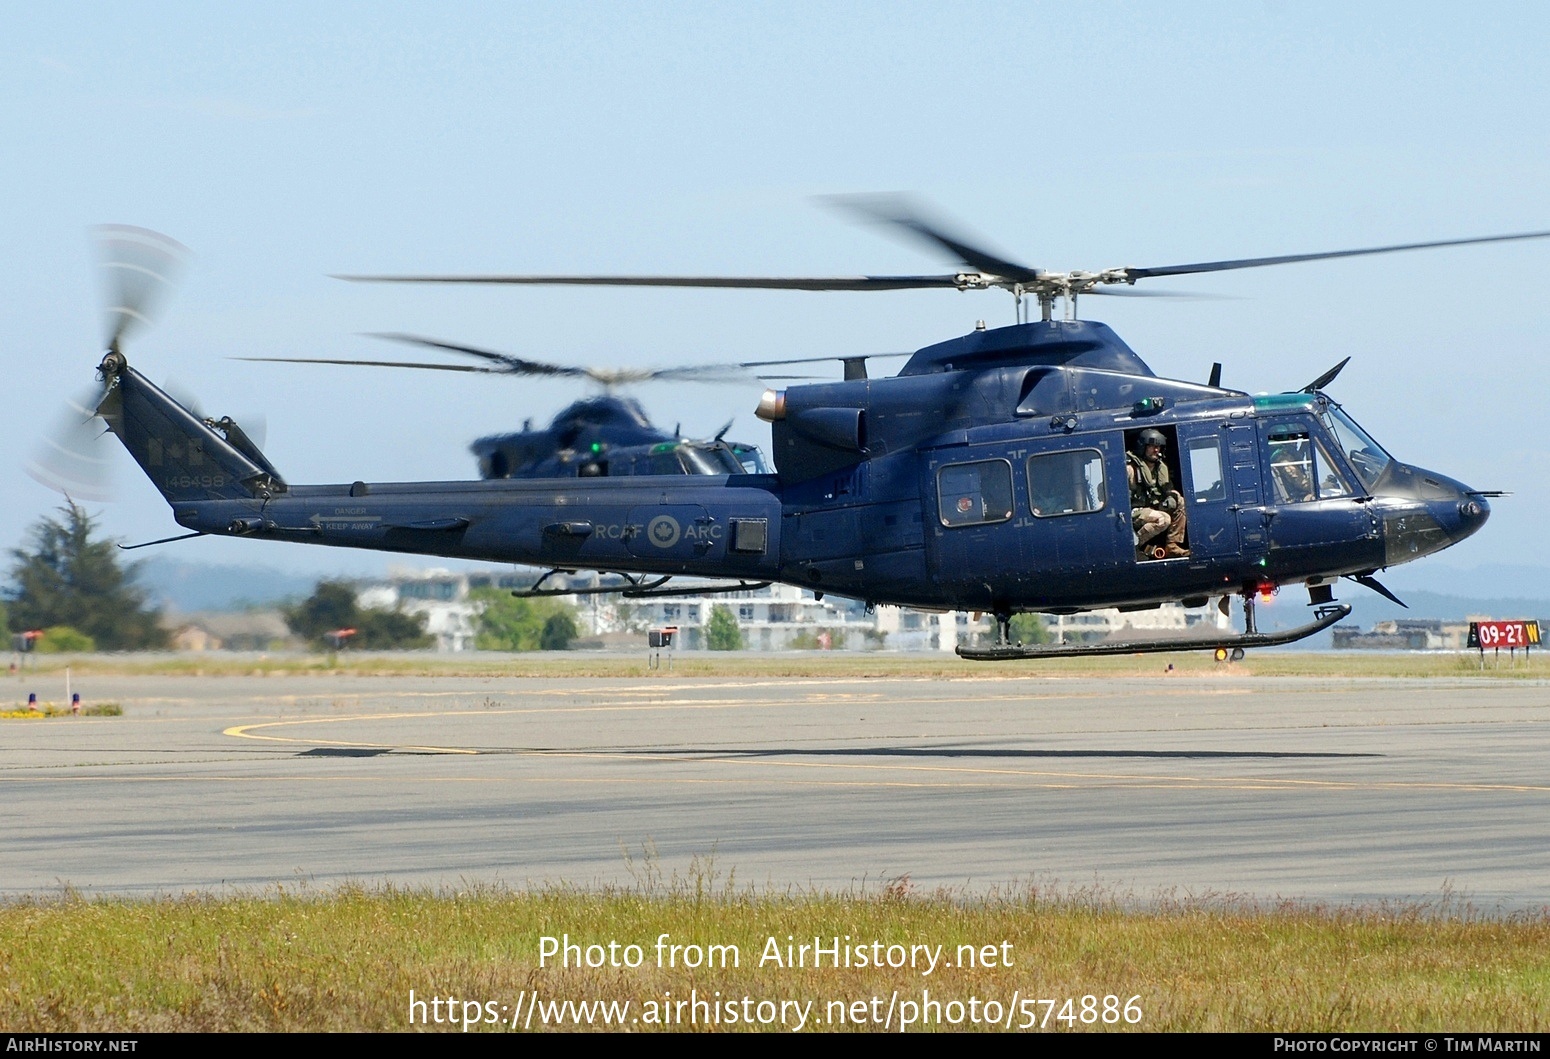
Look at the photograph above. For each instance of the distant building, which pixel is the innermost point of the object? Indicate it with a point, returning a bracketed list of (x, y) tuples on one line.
[(194, 638), (442, 597), (774, 618), (1404, 634), (1170, 619), (246, 630), (904, 629)]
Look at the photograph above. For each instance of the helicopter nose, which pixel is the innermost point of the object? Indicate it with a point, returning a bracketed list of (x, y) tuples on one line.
[(1427, 512), (1459, 510), (1474, 509)]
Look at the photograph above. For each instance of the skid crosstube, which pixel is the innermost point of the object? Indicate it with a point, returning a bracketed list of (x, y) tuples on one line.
[(1004, 653)]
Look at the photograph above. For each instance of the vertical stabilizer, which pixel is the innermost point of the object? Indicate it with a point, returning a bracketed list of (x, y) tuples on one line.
[(185, 457)]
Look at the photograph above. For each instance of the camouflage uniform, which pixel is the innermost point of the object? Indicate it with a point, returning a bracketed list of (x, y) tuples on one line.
[(1151, 494)]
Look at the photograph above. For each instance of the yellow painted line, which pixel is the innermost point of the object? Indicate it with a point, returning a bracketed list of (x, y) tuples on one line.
[(1063, 779), (659, 691), (247, 731), (242, 731)]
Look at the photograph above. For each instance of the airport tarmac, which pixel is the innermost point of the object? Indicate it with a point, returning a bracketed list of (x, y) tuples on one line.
[(1330, 790)]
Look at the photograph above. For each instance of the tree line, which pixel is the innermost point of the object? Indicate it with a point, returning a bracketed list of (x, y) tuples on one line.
[(69, 582)]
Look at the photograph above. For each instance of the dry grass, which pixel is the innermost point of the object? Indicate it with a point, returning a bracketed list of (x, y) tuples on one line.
[(348, 960), (54, 709), (820, 664)]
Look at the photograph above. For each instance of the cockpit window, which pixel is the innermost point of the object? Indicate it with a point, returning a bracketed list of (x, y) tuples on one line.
[(1301, 470), (726, 461), (751, 458), (1331, 482), (1365, 455), (660, 463), (1291, 468)]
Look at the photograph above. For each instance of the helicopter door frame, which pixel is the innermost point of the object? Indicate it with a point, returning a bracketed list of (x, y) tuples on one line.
[(1075, 522), (971, 499), (1208, 490), (1173, 458), (1036, 554)]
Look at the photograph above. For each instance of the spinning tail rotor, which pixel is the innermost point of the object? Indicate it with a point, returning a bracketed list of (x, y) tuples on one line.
[(139, 270)]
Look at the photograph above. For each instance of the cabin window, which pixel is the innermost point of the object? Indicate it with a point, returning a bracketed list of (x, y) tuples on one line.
[(1207, 485), (1066, 483), (972, 494)]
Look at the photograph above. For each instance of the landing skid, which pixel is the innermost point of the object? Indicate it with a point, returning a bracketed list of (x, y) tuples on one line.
[(1327, 616), (635, 587)]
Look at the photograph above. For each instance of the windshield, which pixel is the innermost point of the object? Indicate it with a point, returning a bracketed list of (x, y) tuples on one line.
[(712, 459), (751, 459), (1366, 456)]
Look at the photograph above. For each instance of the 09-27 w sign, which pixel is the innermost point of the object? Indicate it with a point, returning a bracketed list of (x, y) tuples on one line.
[(1487, 635)]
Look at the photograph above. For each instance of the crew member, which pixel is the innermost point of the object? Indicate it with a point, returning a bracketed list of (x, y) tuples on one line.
[(1156, 507), (1289, 466)]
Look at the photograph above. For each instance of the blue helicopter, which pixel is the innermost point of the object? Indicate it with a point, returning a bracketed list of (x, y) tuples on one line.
[(995, 472), (596, 437)]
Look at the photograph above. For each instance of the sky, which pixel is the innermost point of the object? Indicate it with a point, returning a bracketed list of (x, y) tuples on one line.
[(285, 142)]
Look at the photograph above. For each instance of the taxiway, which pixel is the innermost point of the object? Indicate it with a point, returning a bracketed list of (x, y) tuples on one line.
[(1314, 789)]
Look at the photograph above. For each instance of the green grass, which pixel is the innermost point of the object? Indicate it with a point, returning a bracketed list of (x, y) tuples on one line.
[(349, 959)]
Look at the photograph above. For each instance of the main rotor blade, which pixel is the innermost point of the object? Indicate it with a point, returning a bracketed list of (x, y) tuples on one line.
[(851, 283), (606, 376), (508, 363), (902, 212), (1288, 259), (1132, 292), (139, 269), (819, 360), (375, 364), (697, 373), (505, 364)]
